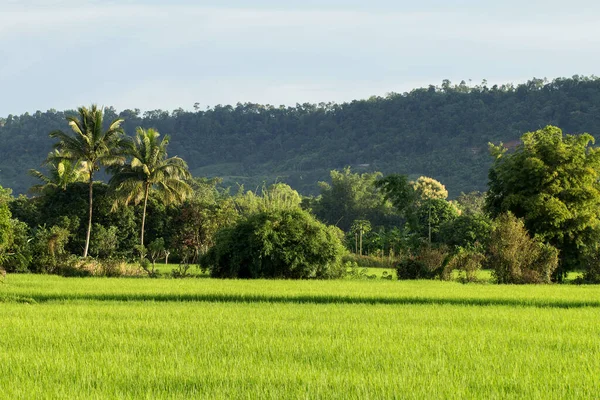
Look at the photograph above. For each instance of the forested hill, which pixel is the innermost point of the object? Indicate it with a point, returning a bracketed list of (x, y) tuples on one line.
[(441, 132)]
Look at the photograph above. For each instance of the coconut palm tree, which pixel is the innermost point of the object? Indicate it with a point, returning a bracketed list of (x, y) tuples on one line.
[(92, 146), (150, 170), (62, 172)]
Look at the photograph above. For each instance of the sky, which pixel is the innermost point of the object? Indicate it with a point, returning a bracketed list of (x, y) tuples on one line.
[(151, 54)]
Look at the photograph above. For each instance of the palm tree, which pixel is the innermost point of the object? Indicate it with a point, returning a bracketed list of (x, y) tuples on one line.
[(92, 146), (150, 169), (62, 172)]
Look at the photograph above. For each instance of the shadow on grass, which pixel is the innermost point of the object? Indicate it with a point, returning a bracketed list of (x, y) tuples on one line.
[(300, 299)]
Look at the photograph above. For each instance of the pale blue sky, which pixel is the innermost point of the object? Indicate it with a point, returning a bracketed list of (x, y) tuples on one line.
[(151, 54)]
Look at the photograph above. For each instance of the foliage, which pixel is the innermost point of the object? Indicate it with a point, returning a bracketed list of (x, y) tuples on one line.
[(92, 146), (399, 190), (49, 251), (552, 181), (149, 170), (359, 227), (81, 267), (278, 196), (200, 218), (181, 271), (288, 244), (351, 197), (62, 172), (69, 208), (18, 254), (514, 257), (466, 230), (427, 263), (156, 249), (5, 224), (148, 267), (591, 273), (439, 131), (431, 215), (429, 189), (471, 203), (104, 242), (467, 261)]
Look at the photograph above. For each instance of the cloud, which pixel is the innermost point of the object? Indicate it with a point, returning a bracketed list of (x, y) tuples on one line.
[(147, 55)]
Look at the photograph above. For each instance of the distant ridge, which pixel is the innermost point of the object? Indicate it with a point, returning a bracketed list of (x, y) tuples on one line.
[(439, 131)]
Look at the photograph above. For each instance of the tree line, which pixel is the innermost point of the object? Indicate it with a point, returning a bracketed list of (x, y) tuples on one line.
[(439, 131), (538, 220)]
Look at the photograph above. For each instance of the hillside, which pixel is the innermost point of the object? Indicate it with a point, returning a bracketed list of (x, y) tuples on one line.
[(440, 131)]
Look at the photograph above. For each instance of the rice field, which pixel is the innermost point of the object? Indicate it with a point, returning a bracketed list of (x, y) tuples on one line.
[(363, 339)]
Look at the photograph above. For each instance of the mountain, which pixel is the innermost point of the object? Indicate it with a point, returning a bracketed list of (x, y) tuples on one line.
[(439, 131)]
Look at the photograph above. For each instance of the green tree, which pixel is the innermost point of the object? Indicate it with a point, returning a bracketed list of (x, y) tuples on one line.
[(552, 181), (431, 215), (105, 241), (5, 224), (352, 196), (428, 189), (288, 244), (359, 228), (69, 208), (399, 190), (278, 196), (150, 170), (471, 203), (200, 217), (91, 145), (466, 230), (62, 172), (515, 257)]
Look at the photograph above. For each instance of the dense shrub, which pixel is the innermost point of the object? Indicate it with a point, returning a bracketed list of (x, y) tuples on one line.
[(288, 244), (428, 263), (592, 269), (515, 257), (19, 252), (467, 261), (49, 251), (104, 241)]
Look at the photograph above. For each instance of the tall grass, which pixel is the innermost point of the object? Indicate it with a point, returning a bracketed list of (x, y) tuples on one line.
[(86, 349), (40, 288), (223, 339)]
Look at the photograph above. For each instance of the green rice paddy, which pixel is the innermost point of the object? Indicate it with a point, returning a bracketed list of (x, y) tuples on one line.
[(361, 339)]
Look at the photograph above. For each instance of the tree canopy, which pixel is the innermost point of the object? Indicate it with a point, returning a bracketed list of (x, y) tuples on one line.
[(551, 181), (438, 131)]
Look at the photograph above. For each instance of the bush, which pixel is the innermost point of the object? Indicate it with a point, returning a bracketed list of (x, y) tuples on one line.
[(49, 248), (428, 263), (467, 262), (288, 244), (18, 254), (514, 257), (79, 267), (104, 241)]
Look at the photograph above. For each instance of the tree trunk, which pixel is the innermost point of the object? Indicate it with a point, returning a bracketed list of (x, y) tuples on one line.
[(429, 221), (89, 229), (360, 254), (144, 220)]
